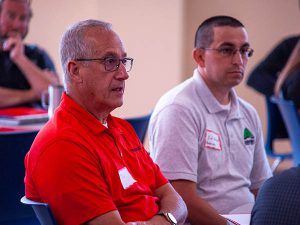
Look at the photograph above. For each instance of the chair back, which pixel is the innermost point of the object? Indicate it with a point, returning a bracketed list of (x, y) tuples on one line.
[(41, 210), (276, 130), (291, 119), (140, 125), (13, 148)]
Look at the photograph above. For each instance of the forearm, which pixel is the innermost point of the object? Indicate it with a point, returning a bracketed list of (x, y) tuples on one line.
[(292, 63), (110, 218), (11, 97), (199, 211), (38, 79), (171, 201)]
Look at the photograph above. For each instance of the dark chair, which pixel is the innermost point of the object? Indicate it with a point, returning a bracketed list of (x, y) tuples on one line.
[(291, 120), (275, 130), (41, 210), (140, 125), (13, 148)]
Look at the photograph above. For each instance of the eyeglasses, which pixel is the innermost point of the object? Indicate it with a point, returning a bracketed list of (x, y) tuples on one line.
[(111, 63), (245, 52)]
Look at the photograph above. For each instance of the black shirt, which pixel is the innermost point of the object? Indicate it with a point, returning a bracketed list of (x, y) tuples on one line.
[(12, 77)]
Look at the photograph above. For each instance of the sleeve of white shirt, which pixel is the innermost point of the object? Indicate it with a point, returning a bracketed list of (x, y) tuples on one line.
[(174, 142)]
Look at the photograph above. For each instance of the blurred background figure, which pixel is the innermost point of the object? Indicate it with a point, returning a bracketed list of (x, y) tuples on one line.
[(279, 72), (25, 70)]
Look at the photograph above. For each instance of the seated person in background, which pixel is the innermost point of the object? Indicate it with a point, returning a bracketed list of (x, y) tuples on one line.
[(25, 70), (288, 81), (279, 71), (207, 141), (88, 165), (278, 201)]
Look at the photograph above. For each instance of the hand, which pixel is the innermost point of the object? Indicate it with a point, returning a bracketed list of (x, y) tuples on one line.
[(155, 220), (14, 44)]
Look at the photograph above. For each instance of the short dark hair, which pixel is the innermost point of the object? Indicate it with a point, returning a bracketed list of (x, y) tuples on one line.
[(204, 34)]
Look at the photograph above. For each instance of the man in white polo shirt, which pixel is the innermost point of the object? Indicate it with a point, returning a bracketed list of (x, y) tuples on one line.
[(207, 141)]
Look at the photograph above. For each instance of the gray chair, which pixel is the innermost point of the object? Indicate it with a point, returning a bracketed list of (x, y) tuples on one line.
[(41, 210)]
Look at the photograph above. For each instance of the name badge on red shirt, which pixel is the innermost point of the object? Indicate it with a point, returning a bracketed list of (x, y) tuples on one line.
[(213, 140), (126, 178)]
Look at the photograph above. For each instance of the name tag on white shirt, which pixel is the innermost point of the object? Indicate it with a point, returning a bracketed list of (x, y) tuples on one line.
[(126, 178), (213, 140)]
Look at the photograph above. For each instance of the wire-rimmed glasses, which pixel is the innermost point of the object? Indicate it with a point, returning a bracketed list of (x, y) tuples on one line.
[(111, 63), (245, 52)]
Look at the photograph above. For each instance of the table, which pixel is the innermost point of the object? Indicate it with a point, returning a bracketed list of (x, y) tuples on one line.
[(27, 127), (22, 118)]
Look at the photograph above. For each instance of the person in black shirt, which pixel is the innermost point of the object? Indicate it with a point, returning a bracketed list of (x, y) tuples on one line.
[(26, 71)]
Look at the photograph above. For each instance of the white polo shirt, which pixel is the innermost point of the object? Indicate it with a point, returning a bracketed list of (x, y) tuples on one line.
[(192, 137)]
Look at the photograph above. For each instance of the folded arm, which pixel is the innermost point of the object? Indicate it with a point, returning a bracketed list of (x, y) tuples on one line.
[(170, 201)]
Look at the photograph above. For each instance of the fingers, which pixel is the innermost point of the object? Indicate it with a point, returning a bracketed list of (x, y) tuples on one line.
[(14, 44), (11, 42), (137, 223)]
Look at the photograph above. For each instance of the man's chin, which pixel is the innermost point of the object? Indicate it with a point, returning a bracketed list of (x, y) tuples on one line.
[(236, 82), (118, 104)]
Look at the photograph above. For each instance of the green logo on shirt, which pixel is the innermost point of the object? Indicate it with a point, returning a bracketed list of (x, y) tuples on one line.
[(248, 137)]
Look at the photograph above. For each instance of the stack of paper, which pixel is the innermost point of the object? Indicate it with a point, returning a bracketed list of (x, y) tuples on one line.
[(238, 219), (22, 115)]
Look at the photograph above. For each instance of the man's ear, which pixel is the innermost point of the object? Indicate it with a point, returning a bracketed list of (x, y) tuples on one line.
[(198, 55), (74, 72)]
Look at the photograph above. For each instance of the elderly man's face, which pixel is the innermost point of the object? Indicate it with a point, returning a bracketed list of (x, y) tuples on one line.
[(102, 90), (14, 18)]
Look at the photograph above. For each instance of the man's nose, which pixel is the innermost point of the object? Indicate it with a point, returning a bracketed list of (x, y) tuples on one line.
[(17, 23), (122, 73), (237, 58)]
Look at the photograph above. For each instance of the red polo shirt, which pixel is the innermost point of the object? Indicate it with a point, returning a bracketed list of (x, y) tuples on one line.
[(83, 169)]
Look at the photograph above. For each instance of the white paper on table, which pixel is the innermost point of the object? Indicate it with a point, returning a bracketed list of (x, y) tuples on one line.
[(242, 219)]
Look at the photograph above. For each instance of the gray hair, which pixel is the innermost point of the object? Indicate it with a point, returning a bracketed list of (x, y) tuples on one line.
[(74, 44)]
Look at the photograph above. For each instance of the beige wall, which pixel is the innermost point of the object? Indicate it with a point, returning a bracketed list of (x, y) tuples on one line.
[(159, 34), (151, 31)]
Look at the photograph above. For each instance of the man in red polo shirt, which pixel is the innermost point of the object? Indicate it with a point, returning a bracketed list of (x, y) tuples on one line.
[(88, 165)]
